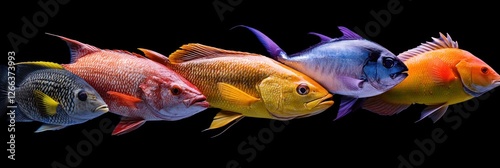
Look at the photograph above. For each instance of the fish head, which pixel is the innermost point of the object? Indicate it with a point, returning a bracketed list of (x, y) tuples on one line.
[(477, 76), (382, 70), (88, 104), (294, 96), (179, 99)]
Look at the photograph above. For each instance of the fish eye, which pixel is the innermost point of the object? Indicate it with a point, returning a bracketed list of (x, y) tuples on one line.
[(303, 89), (82, 95), (484, 70), (176, 90), (388, 62)]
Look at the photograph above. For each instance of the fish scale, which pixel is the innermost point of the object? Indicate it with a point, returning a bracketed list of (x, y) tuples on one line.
[(134, 87), (46, 93), (244, 84), (440, 74)]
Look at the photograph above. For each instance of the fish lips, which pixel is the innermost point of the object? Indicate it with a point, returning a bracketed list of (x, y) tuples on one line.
[(199, 100), (101, 109), (319, 105)]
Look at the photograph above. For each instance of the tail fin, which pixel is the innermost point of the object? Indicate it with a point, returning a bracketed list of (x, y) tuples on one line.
[(271, 47), (4, 84)]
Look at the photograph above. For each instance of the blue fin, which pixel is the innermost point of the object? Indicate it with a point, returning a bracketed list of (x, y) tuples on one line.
[(348, 105), (49, 127), (322, 37), (348, 34), (77, 49), (272, 48), (4, 101)]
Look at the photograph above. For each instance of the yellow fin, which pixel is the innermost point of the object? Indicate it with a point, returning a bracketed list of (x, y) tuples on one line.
[(195, 51), (45, 103), (223, 118), (236, 95), (43, 64)]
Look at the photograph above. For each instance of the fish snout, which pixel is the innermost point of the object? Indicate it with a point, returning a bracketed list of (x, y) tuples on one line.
[(402, 74), (199, 100), (321, 102), (102, 109)]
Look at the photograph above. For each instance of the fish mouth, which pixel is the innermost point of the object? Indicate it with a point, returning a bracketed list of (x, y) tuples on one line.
[(199, 100), (321, 103), (317, 106), (102, 109), (399, 74)]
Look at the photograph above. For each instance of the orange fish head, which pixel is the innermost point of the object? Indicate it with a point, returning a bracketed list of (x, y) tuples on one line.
[(477, 76)]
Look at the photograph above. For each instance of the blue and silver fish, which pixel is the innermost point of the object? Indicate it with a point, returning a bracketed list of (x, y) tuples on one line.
[(351, 66), (47, 93)]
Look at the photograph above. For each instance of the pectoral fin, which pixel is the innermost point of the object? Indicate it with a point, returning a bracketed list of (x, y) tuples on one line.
[(45, 103), (236, 95), (49, 127), (125, 99), (351, 83), (442, 74), (127, 125)]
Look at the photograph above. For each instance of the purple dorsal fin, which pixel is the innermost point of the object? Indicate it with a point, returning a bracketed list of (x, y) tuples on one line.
[(77, 49), (272, 48), (322, 37), (348, 34)]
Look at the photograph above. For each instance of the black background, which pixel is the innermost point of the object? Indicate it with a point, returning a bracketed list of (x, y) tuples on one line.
[(360, 139)]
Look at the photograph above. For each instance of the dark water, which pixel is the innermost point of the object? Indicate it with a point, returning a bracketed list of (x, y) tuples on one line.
[(361, 139)]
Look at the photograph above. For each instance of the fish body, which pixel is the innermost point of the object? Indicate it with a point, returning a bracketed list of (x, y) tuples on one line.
[(244, 84), (135, 87), (47, 93), (440, 74), (349, 66)]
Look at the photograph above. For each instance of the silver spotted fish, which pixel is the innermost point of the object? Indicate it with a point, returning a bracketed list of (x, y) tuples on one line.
[(47, 93)]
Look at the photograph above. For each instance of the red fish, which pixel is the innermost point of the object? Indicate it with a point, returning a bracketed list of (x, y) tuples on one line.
[(135, 87)]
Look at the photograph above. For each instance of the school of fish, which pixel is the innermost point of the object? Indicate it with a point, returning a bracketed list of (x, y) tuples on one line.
[(174, 86)]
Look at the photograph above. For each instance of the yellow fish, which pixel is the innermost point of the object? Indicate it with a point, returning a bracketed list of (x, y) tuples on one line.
[(246, 84), (440, 74)]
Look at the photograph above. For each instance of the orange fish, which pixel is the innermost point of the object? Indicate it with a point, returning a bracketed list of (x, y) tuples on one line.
[(440, 74), (135, 87)]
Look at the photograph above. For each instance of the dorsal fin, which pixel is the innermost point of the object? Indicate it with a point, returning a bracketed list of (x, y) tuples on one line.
[(155, 56), (194, 51), (77, 49), (125, 52), (438, 43), (322, 37), (348, 34), (42, 64), (272, 48)]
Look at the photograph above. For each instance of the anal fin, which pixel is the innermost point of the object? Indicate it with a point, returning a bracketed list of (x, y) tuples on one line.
[(49, 127), (381, 107), (434, 112), (347, 105)]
